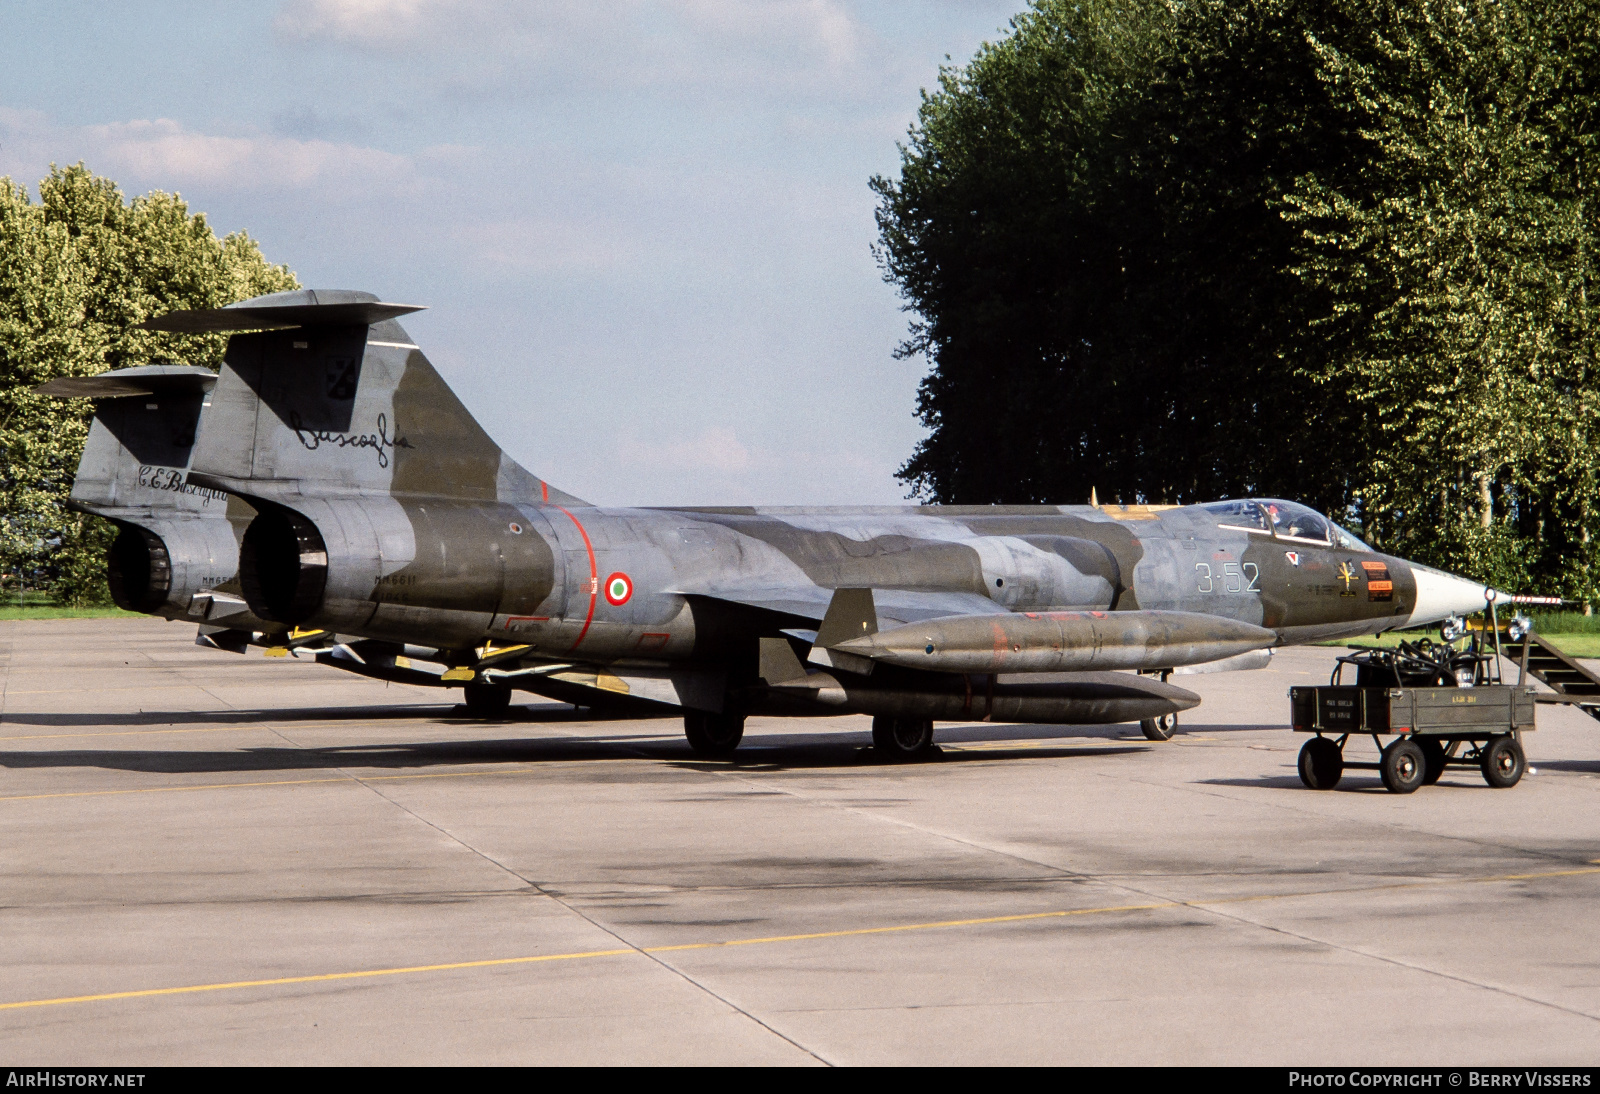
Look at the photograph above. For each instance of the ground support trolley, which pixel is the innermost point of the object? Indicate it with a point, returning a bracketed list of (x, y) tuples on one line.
[(1430, 727), (1433, 697)]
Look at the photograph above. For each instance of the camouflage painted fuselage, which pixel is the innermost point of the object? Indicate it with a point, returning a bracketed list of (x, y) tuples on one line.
[(374, 509)]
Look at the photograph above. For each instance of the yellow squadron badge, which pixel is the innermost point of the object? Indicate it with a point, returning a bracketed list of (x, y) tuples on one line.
[(1347, 574)]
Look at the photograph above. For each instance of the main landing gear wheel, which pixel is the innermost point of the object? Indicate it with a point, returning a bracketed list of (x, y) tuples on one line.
[(1503, 762), (1159, 729), (1321, 764), (902, 738), (1433, 755), (714, 735), (1402, 766), (487, 700)]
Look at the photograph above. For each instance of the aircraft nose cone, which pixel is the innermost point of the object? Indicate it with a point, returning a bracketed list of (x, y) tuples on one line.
[(1441, 595)]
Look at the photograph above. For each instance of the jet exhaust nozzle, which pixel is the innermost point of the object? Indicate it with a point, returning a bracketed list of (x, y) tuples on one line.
[(1062, 642), (138, 569), (283, 566)]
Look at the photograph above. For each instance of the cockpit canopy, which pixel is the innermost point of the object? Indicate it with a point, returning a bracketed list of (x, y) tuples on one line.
[(1285, 520)]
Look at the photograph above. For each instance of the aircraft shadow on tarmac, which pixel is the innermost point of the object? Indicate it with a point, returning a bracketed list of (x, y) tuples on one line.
[(545, 713), (763, 752)]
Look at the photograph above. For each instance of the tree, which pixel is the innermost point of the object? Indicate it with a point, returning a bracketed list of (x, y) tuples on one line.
[(79, 269), (1332, 251), (1085, 224), (1455, 263)]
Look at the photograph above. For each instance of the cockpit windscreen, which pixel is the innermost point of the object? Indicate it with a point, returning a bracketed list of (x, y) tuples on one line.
[(1247, 515), (1291, 520), (1343, 537)]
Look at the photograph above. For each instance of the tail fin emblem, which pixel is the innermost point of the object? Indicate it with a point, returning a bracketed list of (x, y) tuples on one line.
[(342, 377)]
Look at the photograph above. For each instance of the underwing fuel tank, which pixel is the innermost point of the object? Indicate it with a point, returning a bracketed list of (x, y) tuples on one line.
[(1061, 642)]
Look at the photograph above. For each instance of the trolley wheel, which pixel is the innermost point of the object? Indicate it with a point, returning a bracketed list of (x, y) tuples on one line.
[(713, 734), (902, 738), (1321, 764), (487, 700), (1432, 759), (1503, 762), (1402, 766), (1159, 729)]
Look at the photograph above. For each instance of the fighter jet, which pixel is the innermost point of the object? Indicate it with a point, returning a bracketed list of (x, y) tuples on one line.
[(327, 491)]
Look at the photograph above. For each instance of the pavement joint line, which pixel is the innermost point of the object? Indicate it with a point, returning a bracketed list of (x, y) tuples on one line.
[(857, 932), (594, 921)]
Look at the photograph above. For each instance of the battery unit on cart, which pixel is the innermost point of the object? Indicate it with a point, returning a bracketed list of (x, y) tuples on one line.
[(1444, 703)]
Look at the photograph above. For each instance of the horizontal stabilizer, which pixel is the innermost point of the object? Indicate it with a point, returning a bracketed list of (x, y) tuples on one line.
[(124, 382), (362, 313)]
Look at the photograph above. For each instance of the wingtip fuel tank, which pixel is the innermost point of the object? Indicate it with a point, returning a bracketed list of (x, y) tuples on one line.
[(1062, 642)]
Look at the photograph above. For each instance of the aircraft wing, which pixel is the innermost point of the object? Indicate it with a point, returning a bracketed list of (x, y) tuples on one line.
[(894, 605)]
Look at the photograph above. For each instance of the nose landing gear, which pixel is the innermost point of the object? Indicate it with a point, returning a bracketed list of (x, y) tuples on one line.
[(1159, 729)]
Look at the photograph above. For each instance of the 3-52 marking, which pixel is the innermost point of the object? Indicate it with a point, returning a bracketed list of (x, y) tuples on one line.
[(1234, 578)]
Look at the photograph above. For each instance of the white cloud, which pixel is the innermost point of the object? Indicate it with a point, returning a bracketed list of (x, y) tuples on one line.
[(608, 41), (380, 23), (167, 152), (820, 25), (164, 154)]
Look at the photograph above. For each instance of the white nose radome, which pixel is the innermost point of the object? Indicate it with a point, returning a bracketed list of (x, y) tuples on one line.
[(1441, 595)]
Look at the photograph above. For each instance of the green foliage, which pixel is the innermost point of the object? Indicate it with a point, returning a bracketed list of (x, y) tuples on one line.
[(1453, 265), (1332, 251), (79, 269)]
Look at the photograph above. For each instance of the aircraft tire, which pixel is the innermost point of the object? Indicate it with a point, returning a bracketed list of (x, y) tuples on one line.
[(1321, 764), (1402, 766), (713, 735), (1432, 758), (1159, 729), (487, 700), (1503, 762), (902, 738)]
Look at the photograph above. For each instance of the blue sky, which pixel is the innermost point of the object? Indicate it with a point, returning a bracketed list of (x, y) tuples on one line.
[(642, 227)]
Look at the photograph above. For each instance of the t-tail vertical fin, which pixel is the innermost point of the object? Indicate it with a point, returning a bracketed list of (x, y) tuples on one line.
[(177, 551), (323, 394)]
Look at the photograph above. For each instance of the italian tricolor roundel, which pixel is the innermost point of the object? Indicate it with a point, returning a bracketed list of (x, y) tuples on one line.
[(619, 587)]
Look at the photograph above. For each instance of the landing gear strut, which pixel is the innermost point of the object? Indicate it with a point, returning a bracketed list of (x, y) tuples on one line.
[(487, 700), (713, 735), (902, 738)]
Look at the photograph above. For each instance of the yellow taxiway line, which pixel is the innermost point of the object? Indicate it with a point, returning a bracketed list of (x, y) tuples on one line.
[(944, 924)]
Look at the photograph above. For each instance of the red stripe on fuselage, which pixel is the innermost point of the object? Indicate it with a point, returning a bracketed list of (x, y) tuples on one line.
[(594, 577)]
